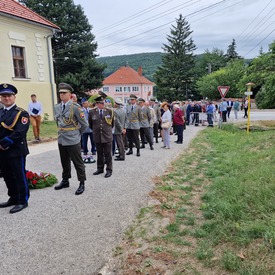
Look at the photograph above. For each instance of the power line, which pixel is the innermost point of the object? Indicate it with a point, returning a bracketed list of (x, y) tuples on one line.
[(259, 42), (160, 15), (131, 17), (195, 12)]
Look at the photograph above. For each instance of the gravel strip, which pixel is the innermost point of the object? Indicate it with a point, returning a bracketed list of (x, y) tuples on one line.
[(60, 233)]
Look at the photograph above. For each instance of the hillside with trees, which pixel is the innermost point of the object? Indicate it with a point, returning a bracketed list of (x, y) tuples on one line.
[(148, 61)]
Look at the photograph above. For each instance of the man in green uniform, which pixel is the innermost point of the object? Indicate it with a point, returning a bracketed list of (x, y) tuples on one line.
[(71, 125), (101, 121)]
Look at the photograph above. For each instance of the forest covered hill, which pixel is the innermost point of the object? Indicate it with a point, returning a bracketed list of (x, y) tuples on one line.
[(148, 61)]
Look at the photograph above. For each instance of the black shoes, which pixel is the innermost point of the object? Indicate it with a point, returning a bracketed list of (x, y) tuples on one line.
[(119, 158), (142, 146), (62, 184), (80, 189), (130, 152), (151, 147), (178, 142), (7, 203), (97, 172), (18, 207), (108, 174), (138, 153)]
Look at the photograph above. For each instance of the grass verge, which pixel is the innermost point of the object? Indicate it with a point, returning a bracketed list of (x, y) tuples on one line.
[(48, 131), (212, 212)]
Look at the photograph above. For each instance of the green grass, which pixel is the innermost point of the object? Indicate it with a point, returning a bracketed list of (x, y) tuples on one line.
[(48, 130), (220, 199)]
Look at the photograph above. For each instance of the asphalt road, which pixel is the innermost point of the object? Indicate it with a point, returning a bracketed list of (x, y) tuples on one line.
[(60, 233)]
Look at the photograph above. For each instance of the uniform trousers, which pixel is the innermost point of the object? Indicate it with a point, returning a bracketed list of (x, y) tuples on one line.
[(36, 122), (120, 145), (104, 155), (145, 135), (14, 174), (156, 130), (133, 135), (72, 153)]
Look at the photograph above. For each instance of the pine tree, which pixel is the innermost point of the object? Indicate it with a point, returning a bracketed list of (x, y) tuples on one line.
[(174, 77), (74, 47), (231, 53)]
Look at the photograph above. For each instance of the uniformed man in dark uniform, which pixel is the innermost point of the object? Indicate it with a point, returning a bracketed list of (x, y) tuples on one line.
[(101, 121), (14, 125), (71, 125)]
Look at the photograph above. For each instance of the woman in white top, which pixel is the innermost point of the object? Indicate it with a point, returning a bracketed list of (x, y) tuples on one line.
[(166, 117)]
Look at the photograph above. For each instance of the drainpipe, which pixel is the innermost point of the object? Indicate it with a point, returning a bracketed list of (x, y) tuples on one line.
[(49, 37)]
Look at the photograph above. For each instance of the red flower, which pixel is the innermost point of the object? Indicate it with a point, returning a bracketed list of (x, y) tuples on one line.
[(34, 182)]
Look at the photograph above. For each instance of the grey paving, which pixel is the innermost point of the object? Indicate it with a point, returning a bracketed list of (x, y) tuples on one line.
[(60, 233)]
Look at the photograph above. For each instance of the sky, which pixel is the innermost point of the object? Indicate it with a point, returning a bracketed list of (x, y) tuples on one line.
[(140, 26)]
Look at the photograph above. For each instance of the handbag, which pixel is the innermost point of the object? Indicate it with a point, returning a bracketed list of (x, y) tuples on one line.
[(166, 125)]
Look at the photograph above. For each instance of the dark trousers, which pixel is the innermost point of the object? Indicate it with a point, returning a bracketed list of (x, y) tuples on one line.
[(179, 129), (85, 137), (120, 145), (210, 119), (14, 174), (156, 131), (224, 116), (145, 136), (228, 111), (133, 135), (196, 118), (245, 112), (72, 153), (104, 155)]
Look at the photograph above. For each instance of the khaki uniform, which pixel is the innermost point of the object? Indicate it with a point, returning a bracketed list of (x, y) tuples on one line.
[(71, 124), (133, 118)]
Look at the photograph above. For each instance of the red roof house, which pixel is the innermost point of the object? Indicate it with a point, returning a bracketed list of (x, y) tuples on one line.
[(126, 81)]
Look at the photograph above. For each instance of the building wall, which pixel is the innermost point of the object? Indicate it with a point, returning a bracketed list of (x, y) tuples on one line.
[(39, 66), (123, 91)]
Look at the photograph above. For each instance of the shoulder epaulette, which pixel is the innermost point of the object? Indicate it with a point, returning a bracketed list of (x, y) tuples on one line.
[(20, 109)]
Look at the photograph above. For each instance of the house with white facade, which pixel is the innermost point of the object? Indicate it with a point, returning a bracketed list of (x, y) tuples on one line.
[(126, 81), (26, 54)]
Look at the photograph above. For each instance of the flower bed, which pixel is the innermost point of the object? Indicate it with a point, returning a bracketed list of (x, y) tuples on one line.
[(42, 180)]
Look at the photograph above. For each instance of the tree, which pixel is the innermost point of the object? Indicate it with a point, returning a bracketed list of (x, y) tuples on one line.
[(227, 76), (261, 72), (210, 62), (231, 53), (74, 47), (174, 78)]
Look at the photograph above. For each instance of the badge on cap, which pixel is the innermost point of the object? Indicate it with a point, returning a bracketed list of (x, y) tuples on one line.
[(24, 120)]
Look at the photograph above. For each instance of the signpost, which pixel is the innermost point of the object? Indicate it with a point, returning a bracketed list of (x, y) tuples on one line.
[(223, 90), (248, 93)]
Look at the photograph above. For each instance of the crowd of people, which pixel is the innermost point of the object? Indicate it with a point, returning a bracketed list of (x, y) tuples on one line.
[(114, 132)]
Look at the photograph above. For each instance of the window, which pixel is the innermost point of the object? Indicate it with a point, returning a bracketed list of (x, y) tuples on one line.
[(127, 89), (135, 89), (118, 89), (18, 62), (105, 89)]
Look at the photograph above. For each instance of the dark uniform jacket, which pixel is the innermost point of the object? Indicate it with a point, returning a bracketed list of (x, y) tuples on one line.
[(14, 126), (102, 127)]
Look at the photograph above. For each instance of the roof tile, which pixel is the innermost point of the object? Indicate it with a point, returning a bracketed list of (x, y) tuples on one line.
[(126, 75), (13, 8)]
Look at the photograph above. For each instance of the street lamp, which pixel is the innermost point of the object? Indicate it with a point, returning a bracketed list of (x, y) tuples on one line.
[(248, 93)]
